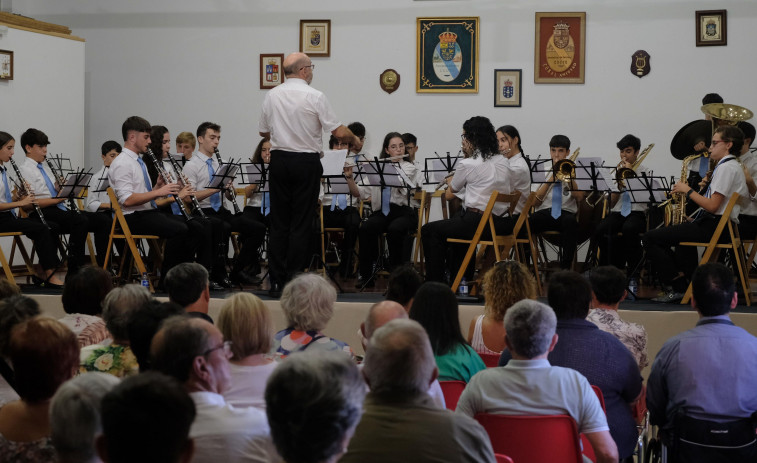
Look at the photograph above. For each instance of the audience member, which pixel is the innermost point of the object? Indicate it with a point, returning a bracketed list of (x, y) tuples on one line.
[(400, 422), (75, 416), (506, 283), (435, 308), (44, 355), (308, 305), (146, 418), (194, 352), (530, 385), (597, 355), (144, 323), (608, 286), (82, 298), (701, 390), (116, 358), (314, 401), (403, 283), (246, 322), (188, 285), (13, 311), (8, 289)]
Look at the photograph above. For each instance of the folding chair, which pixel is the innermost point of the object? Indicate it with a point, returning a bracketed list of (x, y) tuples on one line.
[(424, 211), (324, 232), (452, 391), (713, 247), (90, 246), (10, 271)]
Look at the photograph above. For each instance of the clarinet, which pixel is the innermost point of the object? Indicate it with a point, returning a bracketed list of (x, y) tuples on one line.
[(28, 191), (59, 178), (167, 179), (185, 181), (234, 201)]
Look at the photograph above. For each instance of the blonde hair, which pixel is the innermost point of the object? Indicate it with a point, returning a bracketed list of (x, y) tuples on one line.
[(506, 283), (246, 322), (186, 137)]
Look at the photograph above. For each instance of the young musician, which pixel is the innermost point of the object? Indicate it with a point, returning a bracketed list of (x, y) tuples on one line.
[(482, 172), (556, 206), (11, 222), (185, 144), (508, 139), (674, 269), (391, 214), (98, 202), (748, 216), (626, 217)]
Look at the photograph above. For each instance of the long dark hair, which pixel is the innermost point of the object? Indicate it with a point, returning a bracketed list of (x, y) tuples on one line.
[(156, 145), (387, 139), (435, 308), (479, 131), (512, 132), (5, 137), (257, 157)]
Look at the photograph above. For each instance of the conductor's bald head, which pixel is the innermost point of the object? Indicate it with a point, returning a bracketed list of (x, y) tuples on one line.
[(298, 65)]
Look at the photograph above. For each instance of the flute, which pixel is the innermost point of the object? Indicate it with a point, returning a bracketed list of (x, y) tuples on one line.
[(233, 201), (167, 179), (441, 184), (27, 190), (185, 182), (60, 180)]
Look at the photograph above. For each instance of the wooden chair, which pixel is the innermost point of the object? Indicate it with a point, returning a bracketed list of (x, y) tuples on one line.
[(424, 211), (452, 391), (713, 247), (324, 232), (90, 246), (120, 230), (11, 271)]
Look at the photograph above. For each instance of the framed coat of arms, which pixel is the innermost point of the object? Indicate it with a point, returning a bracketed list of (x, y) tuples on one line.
[(315, 37), (447, 55), (560, 54)]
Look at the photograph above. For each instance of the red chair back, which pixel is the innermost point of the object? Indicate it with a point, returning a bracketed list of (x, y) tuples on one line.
[(533, 439), (502, 458), (490, 360), (601, 397), (452, 391)]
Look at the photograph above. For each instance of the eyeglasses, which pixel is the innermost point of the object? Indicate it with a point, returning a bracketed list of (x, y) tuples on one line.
[(311, 66), (462, 136), (715, 142), (226, 346)]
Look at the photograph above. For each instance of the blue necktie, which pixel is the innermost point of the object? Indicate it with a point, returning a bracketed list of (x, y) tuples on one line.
[(50, 186), (625, 203), (8, 198), (341, 200), (215, 198), (557, 200), (704, 166), (386, 197), (265, 207), (148, 184)]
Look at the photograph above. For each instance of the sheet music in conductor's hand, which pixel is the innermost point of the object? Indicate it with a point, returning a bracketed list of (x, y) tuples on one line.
[(333, 162)]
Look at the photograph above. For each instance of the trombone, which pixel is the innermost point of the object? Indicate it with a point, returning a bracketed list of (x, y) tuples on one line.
[(623, 173)]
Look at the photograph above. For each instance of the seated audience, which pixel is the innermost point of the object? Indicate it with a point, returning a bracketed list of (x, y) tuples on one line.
[(308, 305), (13, 311), (116, 358), (144, 323), (146, 418), (314, 401), (530, 385), (83, 294), (701, 390), (188, 285), (400, 421), (403, 283), (44, 355), (8, 289), (608, 286), (597, 355), (246, 322), (506, 283), (435, 308), (75, 416), (194, 352)]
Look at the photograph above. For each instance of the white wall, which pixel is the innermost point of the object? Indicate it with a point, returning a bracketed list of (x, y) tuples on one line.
[(179, 63)]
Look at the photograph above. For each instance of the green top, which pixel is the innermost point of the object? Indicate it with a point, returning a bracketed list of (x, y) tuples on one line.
[(460, 364)]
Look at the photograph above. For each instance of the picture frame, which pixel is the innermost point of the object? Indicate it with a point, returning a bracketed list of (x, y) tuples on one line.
[(6, 65), (315, 37), (508, 88), (447, 55), (560, 50), (711, 28), (271, 70)]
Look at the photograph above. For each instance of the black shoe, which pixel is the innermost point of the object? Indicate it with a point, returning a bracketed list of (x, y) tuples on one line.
[(215, 286), (275, 291), (365, 283), (242, 278), (40, 283)]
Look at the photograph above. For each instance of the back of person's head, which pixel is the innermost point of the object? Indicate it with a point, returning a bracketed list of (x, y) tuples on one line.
[(629, 141), (403, 283), (332, 142), (408, 137), (175, 346), (748, 130), (713, 288), (569, 294), (313, 401), (118, 307), (357, 128), (44, 354), (608, 283), (308, 302), (530, 327), (109, 146), (733, 134), (8, 288), (712, 98), (186, 282), (479, 131), (34, 137), (246, 321), (381, 313), (506, 283), (559, 141), (146, 418), (186, 137), (75, 416), (144, 323), (205, 126), (435, 308), (135, 124), (399, 360), (85, 290), (13, 311)]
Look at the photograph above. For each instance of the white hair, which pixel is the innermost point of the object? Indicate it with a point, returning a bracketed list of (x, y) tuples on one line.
[(530, 326), (308, 302)]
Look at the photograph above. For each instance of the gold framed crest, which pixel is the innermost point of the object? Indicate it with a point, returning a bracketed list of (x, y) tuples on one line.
[(560, 52), (315, 37)]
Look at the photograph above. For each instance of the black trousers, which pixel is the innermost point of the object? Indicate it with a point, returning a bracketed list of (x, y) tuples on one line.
[(200, 235), (100, 224), (77, 227), (349, 219), (398, 226), (747, 227), (220, 226), (294, 184), (40, 234), (617, 250), (251, 236), (180, 244), (566, 224)]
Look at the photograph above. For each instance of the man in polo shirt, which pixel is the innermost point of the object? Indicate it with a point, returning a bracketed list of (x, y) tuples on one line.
[(294, 117)]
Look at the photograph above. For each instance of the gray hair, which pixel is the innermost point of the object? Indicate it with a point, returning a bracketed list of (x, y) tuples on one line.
[(75, 415), (313, 401), (118, 306), (381, 311), (530, 326), (399, 358), (308, 302)]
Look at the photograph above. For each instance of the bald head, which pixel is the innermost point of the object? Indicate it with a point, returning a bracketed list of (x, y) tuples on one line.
[(294, 62), (382, 313)]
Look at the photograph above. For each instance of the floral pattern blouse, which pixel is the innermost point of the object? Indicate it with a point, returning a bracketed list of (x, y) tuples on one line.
[(38, 451), (290, 340), (114, 359), (632, 335)]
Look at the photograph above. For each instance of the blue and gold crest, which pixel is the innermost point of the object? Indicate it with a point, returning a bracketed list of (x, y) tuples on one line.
[(507, 89), (315, 37)]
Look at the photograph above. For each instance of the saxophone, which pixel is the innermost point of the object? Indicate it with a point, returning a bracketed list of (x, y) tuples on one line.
[(675, 207)]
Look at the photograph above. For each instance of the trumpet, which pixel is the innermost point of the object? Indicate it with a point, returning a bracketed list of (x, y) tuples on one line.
[(26, 190), (185, 182), (227, 189), (60, 181), (167, 179)]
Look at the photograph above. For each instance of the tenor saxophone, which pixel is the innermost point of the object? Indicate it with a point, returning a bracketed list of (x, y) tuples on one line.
[(675, 208)]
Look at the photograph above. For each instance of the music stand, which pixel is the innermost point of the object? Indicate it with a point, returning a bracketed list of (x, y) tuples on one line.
[(437, 169), (73, 186), (224, 175)]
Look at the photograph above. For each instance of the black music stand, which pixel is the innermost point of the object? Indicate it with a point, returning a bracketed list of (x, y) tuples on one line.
[(256, 174), (224, 176), (437, 169), (73, 186)]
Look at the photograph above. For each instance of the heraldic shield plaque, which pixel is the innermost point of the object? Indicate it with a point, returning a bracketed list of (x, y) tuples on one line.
[(447, 55), (560, 48)]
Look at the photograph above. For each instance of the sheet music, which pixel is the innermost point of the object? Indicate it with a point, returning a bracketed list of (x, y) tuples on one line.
[(74, 184), (605, 180), (392, 177), (640, 192), (333, 162), (224, 174)]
